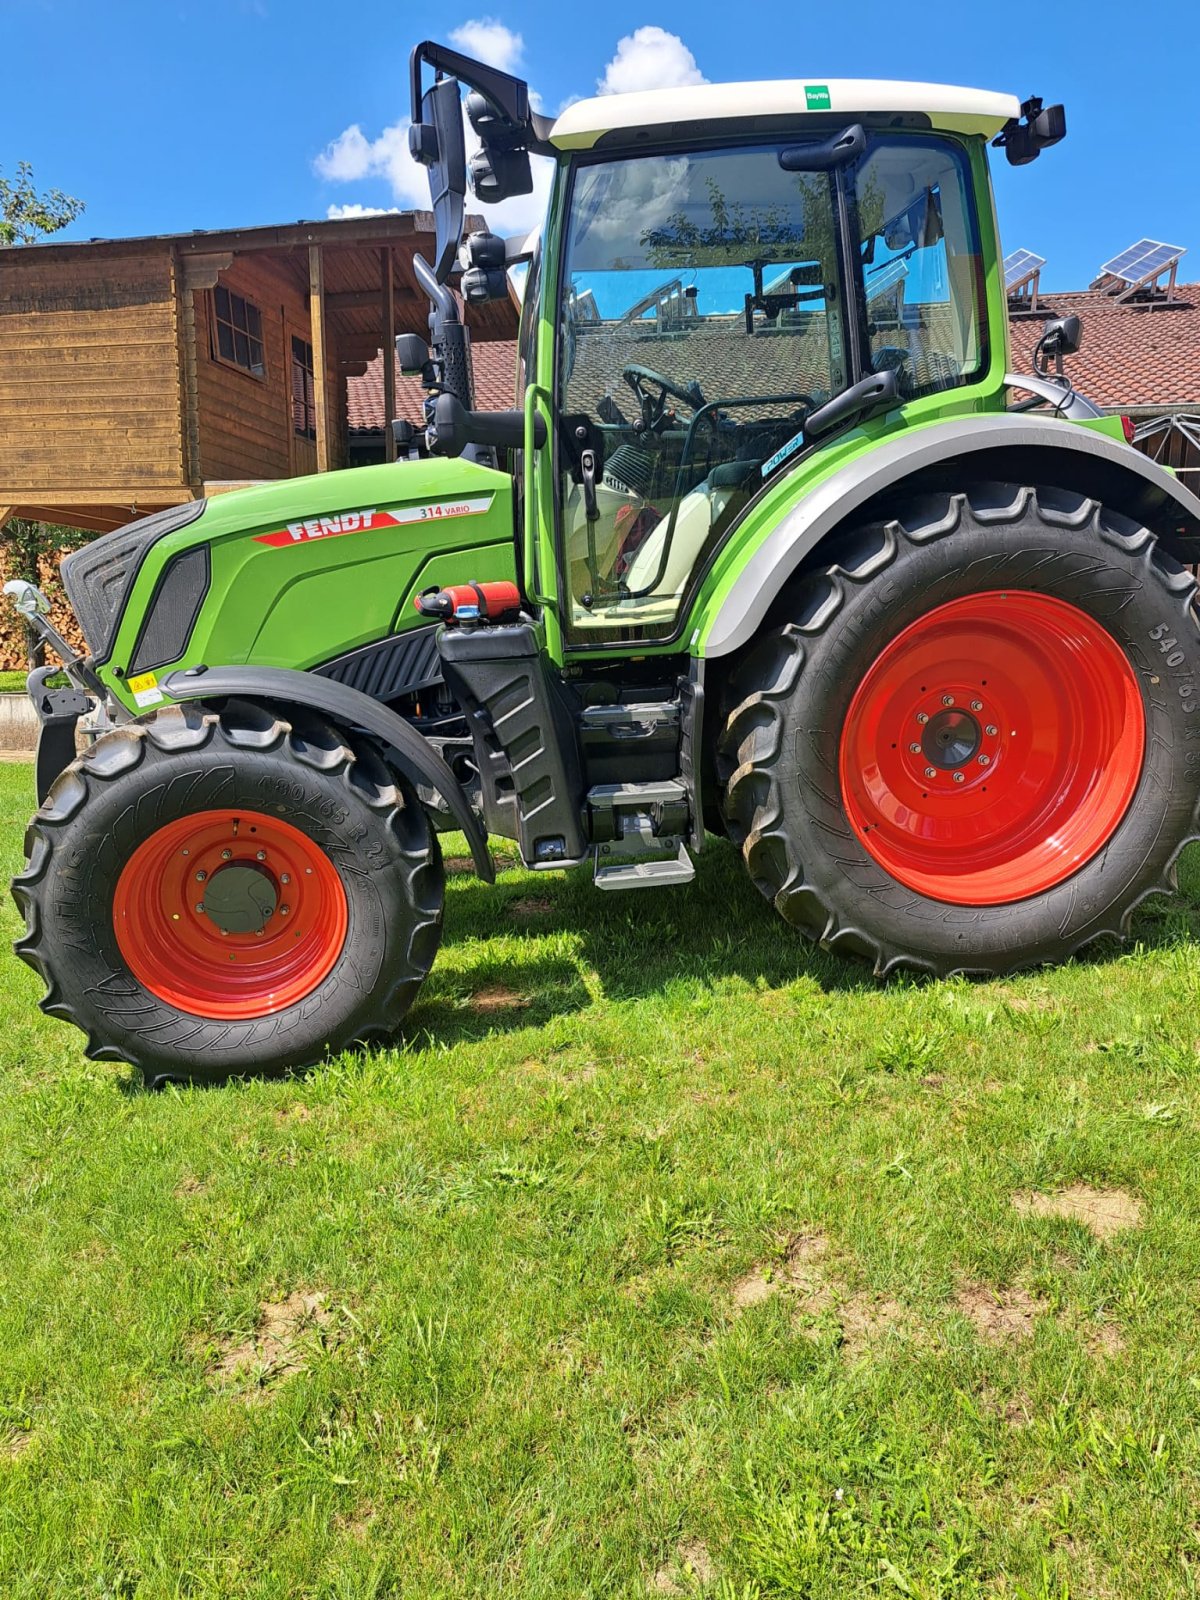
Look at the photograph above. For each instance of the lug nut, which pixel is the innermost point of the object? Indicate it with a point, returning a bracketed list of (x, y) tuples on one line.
[(921, 717), (947, 699), (991, 730), (958, 777), (931, 772), (226, 854), (985, 761), (201, 875), (914, 747), (283, 910), (260, 855), (285, 877), (200, 905), (976, 705)]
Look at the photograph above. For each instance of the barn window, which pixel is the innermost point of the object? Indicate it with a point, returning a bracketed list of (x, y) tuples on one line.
[(304, 403), (238, 324)]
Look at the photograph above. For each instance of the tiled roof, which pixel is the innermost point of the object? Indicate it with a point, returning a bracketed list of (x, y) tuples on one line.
[(495, 366), (1131, 356)]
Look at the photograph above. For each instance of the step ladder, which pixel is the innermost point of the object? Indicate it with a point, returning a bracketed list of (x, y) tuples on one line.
[(647, 823)]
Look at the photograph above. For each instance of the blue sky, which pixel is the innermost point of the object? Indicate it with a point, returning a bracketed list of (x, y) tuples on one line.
[(166, 115)]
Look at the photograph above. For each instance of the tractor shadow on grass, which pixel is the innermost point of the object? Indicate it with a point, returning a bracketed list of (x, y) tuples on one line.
[(717, 927)]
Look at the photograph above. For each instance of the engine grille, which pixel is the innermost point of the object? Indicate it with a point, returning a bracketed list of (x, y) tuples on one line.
[(98, 578)]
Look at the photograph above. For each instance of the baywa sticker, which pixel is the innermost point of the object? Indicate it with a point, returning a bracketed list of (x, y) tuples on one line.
[(816, 96), (373, 517)]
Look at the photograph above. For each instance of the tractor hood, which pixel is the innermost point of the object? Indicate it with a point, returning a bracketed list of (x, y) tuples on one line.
[(289, 573)]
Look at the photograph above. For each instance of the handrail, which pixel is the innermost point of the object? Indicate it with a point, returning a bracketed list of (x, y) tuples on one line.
[(533, 393)]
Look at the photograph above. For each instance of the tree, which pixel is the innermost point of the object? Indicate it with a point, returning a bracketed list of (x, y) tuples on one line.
[(26, 215)]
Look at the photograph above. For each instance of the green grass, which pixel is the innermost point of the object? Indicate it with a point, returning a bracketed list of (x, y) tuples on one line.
[(12, 682), (569, 1345)]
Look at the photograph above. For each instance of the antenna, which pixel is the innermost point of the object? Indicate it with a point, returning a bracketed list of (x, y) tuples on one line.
[(1137, 271), (1022, 276)]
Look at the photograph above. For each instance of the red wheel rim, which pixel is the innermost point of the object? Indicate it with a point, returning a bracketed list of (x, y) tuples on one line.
[(992, 748), (269, 933)]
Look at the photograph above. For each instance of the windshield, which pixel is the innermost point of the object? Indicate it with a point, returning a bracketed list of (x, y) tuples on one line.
[(702, 318)]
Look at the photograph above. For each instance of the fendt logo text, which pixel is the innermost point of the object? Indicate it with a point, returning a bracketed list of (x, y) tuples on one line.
[(363, 521)]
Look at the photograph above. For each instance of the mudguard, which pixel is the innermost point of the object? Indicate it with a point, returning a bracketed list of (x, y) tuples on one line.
[(411, 754), (1043, 449)]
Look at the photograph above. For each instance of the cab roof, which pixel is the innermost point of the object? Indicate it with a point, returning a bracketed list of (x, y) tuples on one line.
[(978, 111)]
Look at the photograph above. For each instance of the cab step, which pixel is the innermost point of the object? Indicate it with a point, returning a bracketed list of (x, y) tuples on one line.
[(640, 829), (631, 873)]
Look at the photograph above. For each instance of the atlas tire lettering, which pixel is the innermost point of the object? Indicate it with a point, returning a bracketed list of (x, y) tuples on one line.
[(370, 518)]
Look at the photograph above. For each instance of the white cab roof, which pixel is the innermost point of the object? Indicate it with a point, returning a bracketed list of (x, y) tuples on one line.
[(959, 110)]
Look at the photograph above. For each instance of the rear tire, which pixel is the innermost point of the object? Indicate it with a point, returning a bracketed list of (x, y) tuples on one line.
[(328, 931), (848, 844)]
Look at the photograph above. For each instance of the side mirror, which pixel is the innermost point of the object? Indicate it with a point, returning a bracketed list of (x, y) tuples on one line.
[(412, 354), (1066, 334), (454, 428), (1061, 337), (437, 142)]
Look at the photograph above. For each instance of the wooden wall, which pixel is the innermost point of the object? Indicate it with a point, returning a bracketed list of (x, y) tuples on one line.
[(89, 383), (245, 422)]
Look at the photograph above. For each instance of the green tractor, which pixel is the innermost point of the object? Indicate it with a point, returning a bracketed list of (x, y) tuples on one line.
[(774, 546)]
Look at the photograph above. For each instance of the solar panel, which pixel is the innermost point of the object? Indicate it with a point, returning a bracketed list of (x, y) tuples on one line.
[(1019, 265), (887, 277), (1142, 260)]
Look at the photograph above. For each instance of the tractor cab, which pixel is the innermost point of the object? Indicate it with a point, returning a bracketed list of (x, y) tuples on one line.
[(714, 295)]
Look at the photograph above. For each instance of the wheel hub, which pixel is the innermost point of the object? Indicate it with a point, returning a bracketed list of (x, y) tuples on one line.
[(950, 739), (239, 898), (992, 747)]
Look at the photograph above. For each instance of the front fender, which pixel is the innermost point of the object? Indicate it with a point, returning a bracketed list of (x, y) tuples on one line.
[(1042, 449), (411, 754)]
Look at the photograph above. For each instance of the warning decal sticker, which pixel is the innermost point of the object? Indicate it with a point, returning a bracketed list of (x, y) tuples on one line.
[(145, 690), (373, 517)]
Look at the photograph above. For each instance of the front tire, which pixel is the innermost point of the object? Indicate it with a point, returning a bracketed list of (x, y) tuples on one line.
[(976, 746), (212, 894)]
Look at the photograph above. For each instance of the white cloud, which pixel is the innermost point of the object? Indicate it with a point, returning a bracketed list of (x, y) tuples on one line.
[(342, 213), (352, 157), (345, 158), (489, 40), (650, 58)]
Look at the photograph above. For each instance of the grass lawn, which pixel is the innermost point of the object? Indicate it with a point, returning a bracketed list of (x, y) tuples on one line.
[(664, 1256)]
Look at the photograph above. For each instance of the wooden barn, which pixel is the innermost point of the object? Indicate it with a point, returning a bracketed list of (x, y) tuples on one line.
[(139, 373)]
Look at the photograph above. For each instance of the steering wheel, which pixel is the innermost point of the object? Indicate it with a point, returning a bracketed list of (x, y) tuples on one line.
[(654, 407)]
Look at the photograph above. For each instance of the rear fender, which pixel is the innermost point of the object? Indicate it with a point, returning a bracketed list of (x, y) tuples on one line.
[(412, 755), (1015, 448)]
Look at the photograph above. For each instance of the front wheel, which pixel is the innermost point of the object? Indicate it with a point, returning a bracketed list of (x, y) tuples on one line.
[(212, 894), (977, 746)]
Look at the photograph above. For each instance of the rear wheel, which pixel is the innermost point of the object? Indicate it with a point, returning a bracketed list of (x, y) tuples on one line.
[(977, 745), (210, 894)]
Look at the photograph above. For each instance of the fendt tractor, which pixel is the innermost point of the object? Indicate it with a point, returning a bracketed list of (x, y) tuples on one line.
[(775, 545)]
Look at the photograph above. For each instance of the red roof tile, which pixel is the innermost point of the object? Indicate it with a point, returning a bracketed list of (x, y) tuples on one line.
[(1131, 355), (495, 366)]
